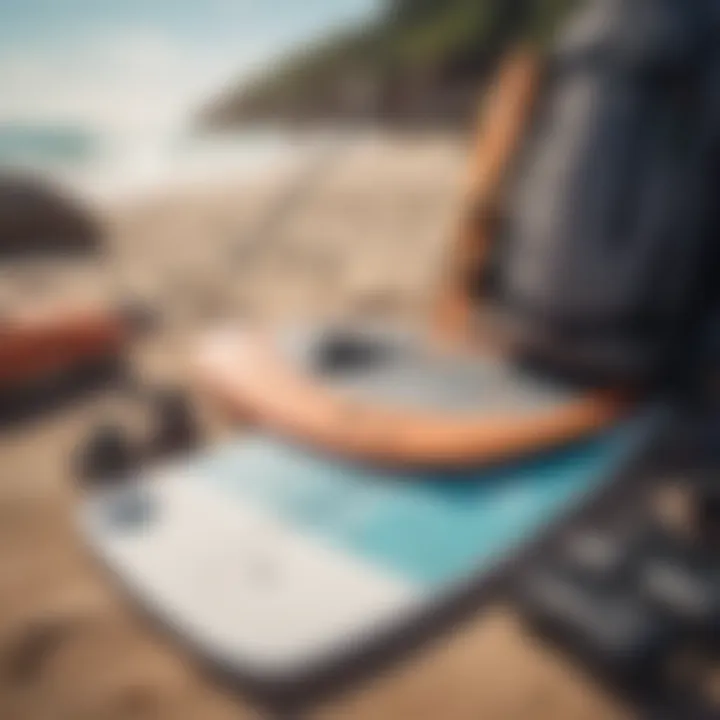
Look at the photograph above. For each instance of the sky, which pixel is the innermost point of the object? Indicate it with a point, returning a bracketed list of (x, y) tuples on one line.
[(143, 65)]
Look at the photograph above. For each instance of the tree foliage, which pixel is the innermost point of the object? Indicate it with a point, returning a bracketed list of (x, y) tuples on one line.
[(447, 40)]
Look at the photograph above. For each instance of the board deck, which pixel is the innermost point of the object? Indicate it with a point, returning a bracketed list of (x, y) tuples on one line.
[(268, 561)]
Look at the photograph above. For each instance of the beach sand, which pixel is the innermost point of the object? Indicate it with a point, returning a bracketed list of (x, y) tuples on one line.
[(367, 239)]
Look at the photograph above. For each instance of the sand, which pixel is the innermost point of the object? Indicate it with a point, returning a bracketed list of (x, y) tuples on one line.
[(366, 240)]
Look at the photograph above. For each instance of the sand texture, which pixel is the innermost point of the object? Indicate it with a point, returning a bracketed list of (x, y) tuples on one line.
[(366, 238)]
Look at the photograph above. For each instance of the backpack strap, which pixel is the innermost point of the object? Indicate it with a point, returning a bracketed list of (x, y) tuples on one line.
[(505, 118)]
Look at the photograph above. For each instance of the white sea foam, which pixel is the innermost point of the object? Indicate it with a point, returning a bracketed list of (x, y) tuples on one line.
[(111, 167)]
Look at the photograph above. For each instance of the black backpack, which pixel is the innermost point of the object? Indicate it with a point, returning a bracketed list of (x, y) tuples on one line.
[(608, 254)]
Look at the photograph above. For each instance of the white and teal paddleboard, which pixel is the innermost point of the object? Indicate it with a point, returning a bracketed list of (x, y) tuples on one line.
[(271, 562)]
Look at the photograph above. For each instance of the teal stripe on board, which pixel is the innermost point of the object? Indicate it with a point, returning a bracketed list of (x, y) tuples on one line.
[(429, 530)]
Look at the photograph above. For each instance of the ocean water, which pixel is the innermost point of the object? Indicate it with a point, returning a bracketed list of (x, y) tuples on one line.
[(38, 145), (101, 94), (100, 166)]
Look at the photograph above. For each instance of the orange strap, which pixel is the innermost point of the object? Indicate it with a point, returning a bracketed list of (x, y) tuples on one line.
[(505, 119), (248, 376)]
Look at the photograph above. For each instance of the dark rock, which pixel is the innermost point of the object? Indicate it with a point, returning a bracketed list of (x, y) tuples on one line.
[(38, 219)]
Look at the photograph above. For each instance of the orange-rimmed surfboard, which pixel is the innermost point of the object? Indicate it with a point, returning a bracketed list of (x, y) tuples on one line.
[(249, 376), (251, 379)]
